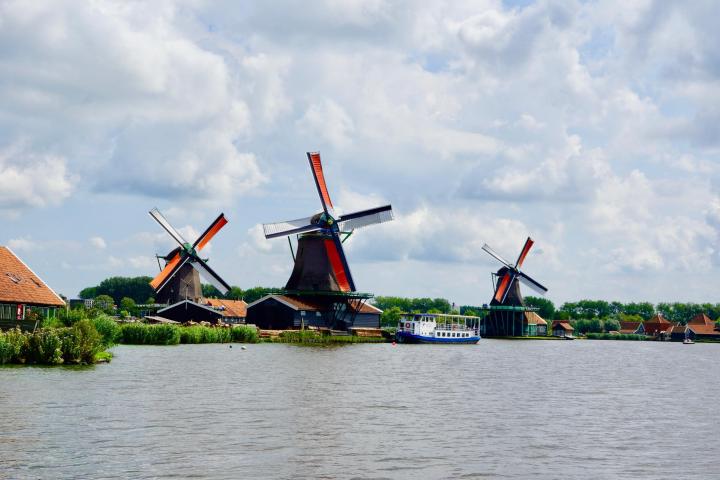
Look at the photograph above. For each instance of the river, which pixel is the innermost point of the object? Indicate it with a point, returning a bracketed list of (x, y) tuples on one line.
[(499, 409)]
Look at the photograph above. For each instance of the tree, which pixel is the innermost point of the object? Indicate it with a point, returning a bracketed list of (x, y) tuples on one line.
[(128, 304), (390, 317), (547, 307), (105, 303), (209, 291), (137, 288), (611, 325)]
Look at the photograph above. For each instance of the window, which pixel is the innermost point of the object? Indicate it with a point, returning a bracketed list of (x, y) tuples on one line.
[(6, 312)]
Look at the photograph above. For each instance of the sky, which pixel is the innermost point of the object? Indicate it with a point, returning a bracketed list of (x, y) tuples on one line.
[(593, 127)]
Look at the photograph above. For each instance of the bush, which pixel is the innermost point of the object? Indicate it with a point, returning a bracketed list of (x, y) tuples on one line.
[(80, 343), (142, 334), (70, 317), (45, 347), (77, 344), (108, 329), (618, 336)]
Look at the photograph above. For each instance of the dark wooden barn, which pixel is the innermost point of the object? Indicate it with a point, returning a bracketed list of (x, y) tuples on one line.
[(187, 311), (285, 312)]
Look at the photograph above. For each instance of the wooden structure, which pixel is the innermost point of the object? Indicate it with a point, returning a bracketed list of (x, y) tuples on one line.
[(657, 325), (508, 314), (561, 328), (321, 289), (211, 310), (701, 327), (535, 325), (285, 312), (21, 292), (633, 328)]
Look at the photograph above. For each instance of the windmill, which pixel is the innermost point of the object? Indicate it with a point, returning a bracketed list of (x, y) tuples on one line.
[(321, 277), (180, 278), (320, 263), (507, 307)]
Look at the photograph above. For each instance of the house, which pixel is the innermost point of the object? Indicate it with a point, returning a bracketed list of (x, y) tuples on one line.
[(632, 328), (189, 311), (677, 333), (233, 311), (535, 325), (284, 312), (22, 292), (561, 328), (657, 325), (701, 327)]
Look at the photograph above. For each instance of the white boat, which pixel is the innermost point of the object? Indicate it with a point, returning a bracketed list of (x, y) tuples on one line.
[(437, 328), (688, 341)]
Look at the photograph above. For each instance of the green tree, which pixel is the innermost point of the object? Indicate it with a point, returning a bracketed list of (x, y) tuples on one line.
[(104, 303), (611, 325), (390, 317), (547, 307), (128, 304), (209, 291)]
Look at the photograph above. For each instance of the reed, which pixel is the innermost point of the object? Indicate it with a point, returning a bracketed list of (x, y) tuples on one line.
[(309, 337), (143, 334), (615, 336)]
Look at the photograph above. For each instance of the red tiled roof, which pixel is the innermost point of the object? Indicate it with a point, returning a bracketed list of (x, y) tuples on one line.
[(701, 319), (562, 324), (705, 330), (676, 329), (19, 284), (228, 308), (629, 327)]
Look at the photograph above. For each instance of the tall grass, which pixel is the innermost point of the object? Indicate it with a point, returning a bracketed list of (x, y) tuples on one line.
[(615, 336), (143, 334), (309, 337)]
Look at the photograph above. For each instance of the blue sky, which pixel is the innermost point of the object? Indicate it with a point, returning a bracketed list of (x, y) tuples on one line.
[(592, 126)]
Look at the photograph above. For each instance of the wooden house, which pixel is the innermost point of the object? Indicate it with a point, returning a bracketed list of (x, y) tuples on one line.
[(233, 311), (22, 292), (286, 312), (657, 325), (677, 333), (632, 328), (701, 327), (535, 325), (561, 328), (211, 310)]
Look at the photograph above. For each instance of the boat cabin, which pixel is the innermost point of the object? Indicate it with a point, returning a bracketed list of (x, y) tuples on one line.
[(439, 328)]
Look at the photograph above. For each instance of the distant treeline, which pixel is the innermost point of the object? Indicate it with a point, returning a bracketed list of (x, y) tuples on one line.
[(139, 290)]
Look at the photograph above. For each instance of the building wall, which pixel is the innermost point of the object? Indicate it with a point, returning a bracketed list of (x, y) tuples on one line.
[(271, 315), (367, 320)]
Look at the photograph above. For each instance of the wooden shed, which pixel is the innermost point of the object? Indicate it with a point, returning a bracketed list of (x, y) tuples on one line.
[(535, 325), (285, 312), (561, 328), (21, 292)]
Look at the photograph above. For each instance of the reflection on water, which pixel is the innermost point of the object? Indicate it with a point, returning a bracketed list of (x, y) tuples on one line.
[(509, 409)]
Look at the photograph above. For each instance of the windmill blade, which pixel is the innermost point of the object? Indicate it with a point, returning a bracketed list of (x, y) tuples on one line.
[(283, 229), (528, 245), (166, 272), (164, 280), (317, 171), (363, 218), (339, 263), (210, 232), (489, 250), (504, 287), (209, 274), (155, 213), (526, 280)]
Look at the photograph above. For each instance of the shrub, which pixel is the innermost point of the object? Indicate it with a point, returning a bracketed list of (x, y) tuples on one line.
[(14, 346), (70, 317), (244, 334), (108, 329), (80, 343), (45, 347)]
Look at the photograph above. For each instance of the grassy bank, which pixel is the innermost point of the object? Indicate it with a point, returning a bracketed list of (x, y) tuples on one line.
[(308, 337)]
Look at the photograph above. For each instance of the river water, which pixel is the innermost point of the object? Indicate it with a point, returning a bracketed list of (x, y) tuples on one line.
[(499, 409)]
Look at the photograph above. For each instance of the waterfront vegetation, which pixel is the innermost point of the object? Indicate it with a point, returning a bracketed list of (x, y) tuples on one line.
[(615, 336), (310, 337)]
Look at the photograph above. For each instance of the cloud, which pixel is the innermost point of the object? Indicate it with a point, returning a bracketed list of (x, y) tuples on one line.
[(98, 242)]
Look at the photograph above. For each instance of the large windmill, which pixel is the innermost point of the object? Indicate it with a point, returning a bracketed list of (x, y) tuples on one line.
[(509, 303), (321, 276), (180, 279), (320, 263)]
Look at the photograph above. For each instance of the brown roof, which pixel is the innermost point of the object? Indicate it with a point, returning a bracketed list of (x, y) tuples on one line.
[(658, 318), (629, 327), (19, 284), (704, 330), (701, 319), (534, 319), (228, 308), (676, 329), (564, 325)]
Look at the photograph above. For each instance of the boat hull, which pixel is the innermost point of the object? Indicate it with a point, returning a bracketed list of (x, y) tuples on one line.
[(407, 337)]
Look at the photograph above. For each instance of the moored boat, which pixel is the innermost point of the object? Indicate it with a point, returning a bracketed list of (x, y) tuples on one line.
[(438, 328)]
